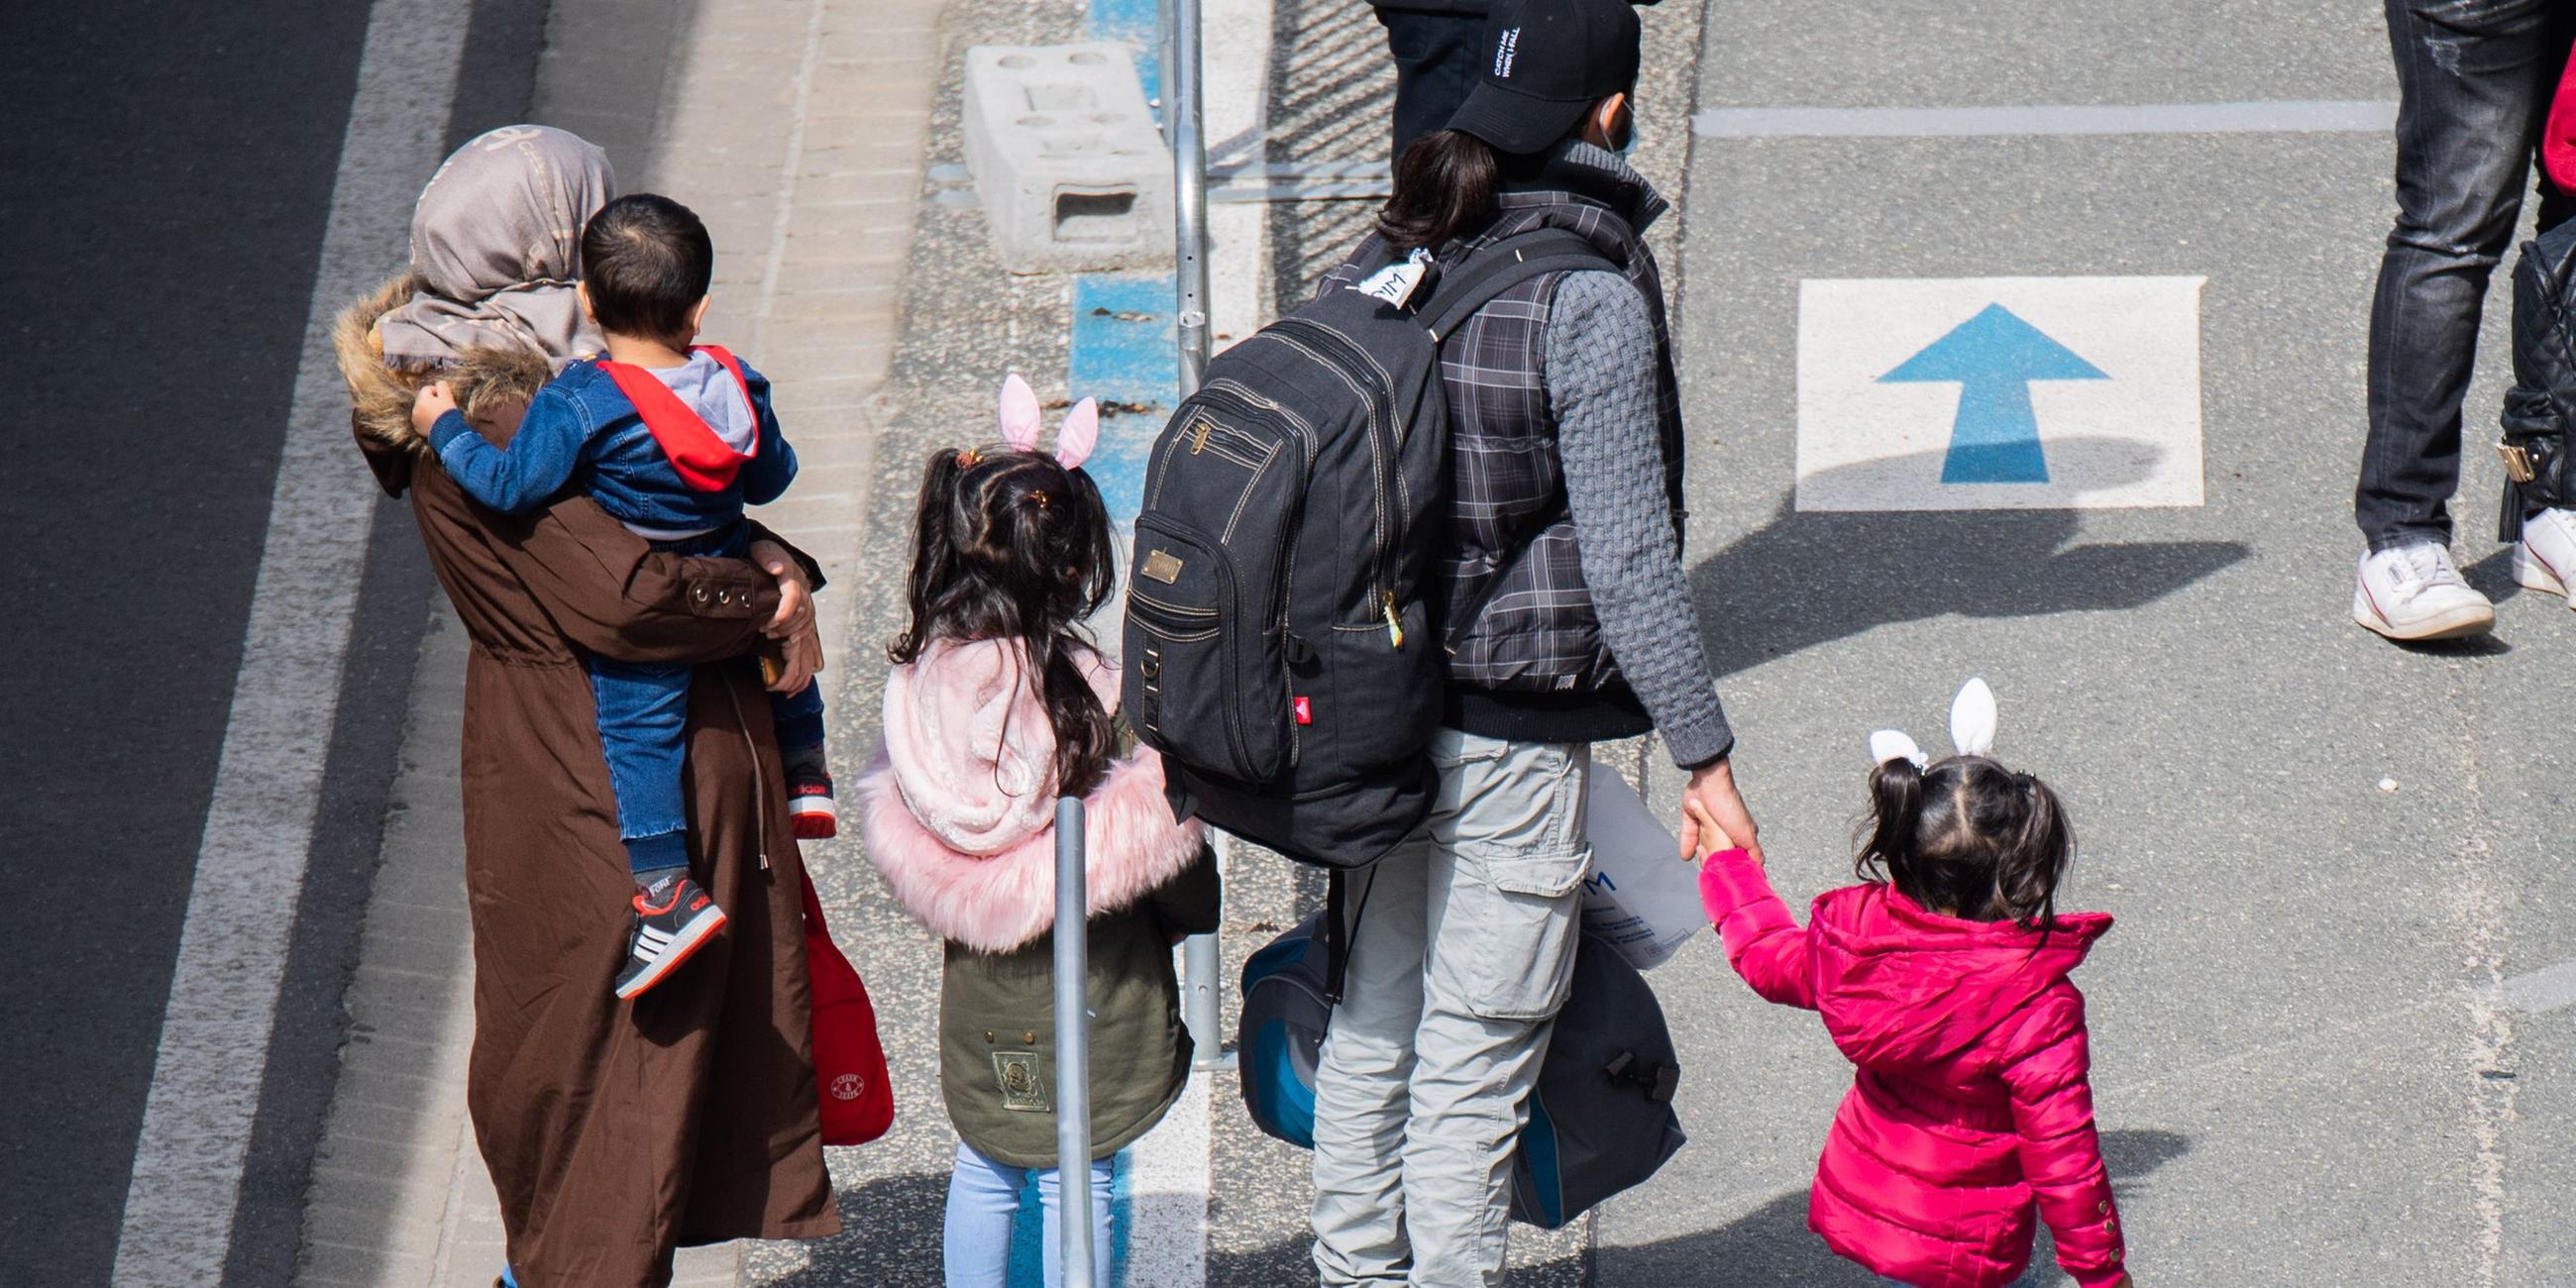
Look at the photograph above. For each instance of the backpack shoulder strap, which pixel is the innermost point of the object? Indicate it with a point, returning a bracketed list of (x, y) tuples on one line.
[(1489, 272)]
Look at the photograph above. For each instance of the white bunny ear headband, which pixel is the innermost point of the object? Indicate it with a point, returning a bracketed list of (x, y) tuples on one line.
[(1972, 729), (1074, 439)]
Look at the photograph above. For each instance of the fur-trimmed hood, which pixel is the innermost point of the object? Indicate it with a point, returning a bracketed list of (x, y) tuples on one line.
[(380, 394), (955, 815)]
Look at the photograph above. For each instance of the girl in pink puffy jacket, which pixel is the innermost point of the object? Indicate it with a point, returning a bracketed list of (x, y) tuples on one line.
[(1943, 978)]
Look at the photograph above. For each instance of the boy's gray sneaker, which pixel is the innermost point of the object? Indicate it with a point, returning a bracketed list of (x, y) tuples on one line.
[(663, 937)]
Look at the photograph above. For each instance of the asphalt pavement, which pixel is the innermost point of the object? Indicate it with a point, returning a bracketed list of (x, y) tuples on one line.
[(2323, 851), (2319, 846), (170, 170)]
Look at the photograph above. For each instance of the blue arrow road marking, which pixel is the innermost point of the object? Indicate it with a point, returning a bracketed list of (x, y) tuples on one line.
[(1993, 357)]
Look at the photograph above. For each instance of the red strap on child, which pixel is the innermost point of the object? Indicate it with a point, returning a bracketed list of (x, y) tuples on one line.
[(704, 460)]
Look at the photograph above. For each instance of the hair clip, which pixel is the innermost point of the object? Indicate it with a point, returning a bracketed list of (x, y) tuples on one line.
[(1038, 496), (968, 458)]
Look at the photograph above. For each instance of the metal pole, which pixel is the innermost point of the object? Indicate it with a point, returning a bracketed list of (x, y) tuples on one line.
[(1181, 113), (1202, 966), (1072, 1048)]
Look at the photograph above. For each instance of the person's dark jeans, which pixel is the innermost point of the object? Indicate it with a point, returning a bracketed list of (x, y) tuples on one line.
[(2474, 80), (1436, 57)]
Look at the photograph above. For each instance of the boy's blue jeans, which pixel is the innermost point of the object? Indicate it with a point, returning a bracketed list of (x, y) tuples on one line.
[(643, 715), (984, 1199)]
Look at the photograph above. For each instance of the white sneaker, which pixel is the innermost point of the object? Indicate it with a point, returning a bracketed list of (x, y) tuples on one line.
[(2546, 557), (2414, 592)]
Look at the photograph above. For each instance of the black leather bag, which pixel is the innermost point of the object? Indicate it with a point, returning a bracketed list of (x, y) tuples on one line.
[(2541, 406)]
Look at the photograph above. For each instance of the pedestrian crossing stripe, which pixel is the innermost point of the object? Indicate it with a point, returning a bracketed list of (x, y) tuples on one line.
[(1999, 393)]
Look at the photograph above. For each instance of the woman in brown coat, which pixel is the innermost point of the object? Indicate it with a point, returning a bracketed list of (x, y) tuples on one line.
[(614, 1132)]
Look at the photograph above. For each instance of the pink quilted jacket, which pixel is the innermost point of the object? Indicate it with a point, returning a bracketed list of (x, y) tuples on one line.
[(1970, 1105)]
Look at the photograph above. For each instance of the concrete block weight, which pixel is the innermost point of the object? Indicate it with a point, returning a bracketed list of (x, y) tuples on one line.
[(1072, 172)]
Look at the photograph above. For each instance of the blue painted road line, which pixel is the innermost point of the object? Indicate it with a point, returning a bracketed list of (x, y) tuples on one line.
[(1122, 354), (1124, 348)]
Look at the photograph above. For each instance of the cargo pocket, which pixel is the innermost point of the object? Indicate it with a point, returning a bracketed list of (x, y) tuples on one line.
[(1516, 903)]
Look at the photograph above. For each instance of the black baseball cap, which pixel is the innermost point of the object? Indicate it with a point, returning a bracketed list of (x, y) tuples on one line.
[(1546, 61)]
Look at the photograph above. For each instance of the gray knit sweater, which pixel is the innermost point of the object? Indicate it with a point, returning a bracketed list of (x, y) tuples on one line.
[(1600, 373)]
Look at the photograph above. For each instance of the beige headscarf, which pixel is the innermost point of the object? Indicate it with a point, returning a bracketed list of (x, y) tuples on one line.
[(496, 241)]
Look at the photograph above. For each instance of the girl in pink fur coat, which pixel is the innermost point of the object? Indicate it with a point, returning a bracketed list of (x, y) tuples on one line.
[(1943, 977), (995, 707)]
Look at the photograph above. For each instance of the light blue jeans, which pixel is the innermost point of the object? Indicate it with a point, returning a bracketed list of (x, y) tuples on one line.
[(984, 1200)]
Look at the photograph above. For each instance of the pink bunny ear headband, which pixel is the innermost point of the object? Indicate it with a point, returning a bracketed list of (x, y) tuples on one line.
[(1972, 729), (1074, 439)]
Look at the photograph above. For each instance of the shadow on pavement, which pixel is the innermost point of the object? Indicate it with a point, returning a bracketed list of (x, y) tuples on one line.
[(1808, 578), (890, 1237), (1772, 1244)]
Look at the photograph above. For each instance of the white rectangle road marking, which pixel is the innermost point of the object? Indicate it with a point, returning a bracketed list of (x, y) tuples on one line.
[(2285, 117), (251, 858), (2548, 989), (1999, 393)]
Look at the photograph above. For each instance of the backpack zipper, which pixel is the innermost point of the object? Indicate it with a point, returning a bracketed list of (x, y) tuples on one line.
[(1379, 468), (1228, 389), (1284, 550)]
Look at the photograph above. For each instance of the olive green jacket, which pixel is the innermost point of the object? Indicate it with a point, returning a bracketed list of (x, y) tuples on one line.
[(997, 1027)]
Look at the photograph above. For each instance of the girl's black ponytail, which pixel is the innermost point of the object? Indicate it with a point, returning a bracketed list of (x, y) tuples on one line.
[(2035, 855), (1059, 524), (934, 550), (1895, 818)]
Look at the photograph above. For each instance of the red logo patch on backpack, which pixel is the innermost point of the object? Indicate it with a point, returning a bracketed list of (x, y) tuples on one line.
[(1304, 709)]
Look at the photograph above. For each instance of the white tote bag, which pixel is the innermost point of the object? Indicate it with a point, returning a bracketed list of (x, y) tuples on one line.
[(1642, 897)]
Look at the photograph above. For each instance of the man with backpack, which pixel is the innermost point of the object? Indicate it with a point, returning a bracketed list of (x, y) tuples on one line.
[(1405, 555), (1565, 620)]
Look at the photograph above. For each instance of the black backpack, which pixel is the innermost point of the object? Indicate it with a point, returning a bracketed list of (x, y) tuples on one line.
[(1600, 1119), (1278, 645)]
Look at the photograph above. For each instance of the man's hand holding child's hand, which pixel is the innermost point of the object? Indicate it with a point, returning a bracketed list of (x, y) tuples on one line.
[(435, 399), (1713, 838), (1710, 795)]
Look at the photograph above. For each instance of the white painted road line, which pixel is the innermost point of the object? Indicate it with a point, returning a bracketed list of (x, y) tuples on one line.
[(177, 1226), (2548, 989), (1167, 1185), (2287, 117), (1999, 393)]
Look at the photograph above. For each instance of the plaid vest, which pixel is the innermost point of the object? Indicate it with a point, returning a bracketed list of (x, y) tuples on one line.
[(1518, 614)]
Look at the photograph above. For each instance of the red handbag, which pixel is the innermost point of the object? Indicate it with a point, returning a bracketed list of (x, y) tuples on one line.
[(849, 1062)]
